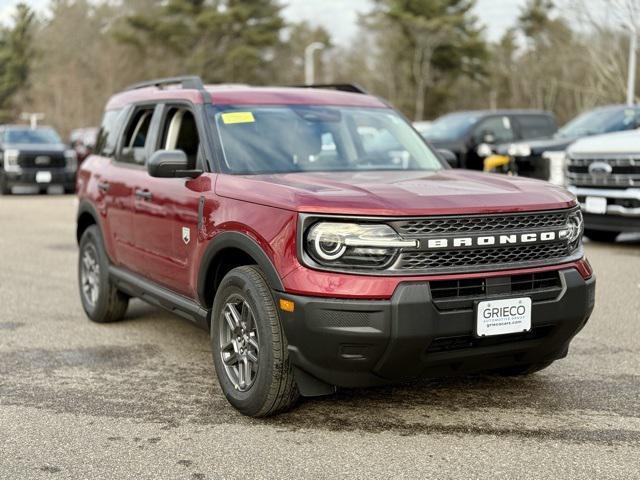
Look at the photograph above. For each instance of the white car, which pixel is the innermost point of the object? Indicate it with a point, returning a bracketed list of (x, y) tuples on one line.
[(604, 173)]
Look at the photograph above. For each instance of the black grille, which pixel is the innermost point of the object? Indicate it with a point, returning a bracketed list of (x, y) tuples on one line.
[(514, 254), (41, 160), (447, 344), (480, 224), (462, 294), (625, 172)]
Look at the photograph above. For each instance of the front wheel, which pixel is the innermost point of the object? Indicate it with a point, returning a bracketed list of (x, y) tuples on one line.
[(249, 346), (601, 235), (5, 188)]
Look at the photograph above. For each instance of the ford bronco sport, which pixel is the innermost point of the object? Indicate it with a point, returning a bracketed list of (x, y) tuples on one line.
[(322, 242)]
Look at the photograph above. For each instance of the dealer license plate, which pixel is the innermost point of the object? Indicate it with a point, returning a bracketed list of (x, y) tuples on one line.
[(500, 317), (43, 177), (596, 205)]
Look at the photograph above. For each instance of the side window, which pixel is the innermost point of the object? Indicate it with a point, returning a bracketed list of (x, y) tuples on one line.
[(180, 132), (108, 134), (135, 137), (536, 126), (494, 130)]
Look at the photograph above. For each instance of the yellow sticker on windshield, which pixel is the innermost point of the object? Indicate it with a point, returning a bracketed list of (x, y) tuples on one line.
[(238, 117)]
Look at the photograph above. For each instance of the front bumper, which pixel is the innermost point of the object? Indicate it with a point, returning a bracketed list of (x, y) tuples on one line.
[(26, 177), (623, 208), (358, 343)]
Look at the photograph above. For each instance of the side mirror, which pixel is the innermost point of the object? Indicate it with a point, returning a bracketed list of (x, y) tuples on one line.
[(450, 157), (170, 164), (484, 150)]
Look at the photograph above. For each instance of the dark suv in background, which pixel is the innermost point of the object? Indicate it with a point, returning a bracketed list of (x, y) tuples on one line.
[(35, 157), (472, 135)]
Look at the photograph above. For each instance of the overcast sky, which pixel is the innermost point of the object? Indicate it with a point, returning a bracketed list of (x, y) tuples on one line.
[(339, 16)]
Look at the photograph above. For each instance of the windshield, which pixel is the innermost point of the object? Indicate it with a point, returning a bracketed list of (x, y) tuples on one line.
[(31, 135), (601, 120), (304, 138), (451, 126)]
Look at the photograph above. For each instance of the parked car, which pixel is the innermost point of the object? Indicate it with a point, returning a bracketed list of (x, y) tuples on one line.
[(545, 158), (83, 141), (316, 252), (472, 135), (35, 157), (603, 171)]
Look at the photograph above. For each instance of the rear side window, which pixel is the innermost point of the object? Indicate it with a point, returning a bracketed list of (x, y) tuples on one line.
[(135, 137), (108, 134), (535, 126)]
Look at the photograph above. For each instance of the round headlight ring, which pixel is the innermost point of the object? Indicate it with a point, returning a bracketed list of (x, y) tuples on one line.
[(329, 246)]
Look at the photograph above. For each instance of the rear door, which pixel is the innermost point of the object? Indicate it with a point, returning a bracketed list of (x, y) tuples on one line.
[(125, 173)]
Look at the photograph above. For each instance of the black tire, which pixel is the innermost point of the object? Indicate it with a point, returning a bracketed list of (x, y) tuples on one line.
[(70, 191), (601, 235), (521, 370), (108, 304), (5, 188), (273, 389)]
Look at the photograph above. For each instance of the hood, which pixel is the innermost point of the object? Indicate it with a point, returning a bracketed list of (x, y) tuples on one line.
[(36, 147), (403, 193), (611, 143)]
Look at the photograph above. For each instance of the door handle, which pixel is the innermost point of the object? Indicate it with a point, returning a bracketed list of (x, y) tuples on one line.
[(103, 186), (144, 194)]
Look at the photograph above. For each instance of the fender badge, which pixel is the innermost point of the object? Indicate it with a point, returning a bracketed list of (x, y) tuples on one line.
[(186, 235)]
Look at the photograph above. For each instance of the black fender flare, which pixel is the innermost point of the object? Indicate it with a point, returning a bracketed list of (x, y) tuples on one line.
[(86, 207), (241, 242)]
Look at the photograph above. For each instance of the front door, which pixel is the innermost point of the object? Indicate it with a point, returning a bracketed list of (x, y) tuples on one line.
[(166, 211)]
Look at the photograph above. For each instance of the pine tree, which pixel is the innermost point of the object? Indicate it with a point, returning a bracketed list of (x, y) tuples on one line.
[(16, 57), (223, 40)]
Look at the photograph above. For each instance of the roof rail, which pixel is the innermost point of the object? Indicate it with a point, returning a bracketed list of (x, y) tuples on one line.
[(191, 82), (343, 87)]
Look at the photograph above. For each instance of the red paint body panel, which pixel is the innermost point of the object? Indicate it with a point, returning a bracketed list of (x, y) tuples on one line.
[(146, 236), (447, 192)]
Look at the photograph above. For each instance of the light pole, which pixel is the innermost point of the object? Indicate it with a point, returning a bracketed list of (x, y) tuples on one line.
[(309, 66), (32, 117), (631, 79)]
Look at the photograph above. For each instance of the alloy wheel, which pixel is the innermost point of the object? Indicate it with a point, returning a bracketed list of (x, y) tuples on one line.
[(239, 347)]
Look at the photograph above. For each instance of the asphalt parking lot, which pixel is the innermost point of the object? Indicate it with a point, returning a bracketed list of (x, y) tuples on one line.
[(138, 399)]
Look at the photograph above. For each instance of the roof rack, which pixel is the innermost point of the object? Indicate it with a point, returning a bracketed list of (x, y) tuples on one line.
[(191, 82), (342, 87)]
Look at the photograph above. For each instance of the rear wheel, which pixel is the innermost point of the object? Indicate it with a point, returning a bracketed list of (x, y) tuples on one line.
[(249, 346), (520, 370), (101, 300), (601, 235)]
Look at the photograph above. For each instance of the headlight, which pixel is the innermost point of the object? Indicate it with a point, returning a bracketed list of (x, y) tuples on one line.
[(519, 150), (11, 160), (557, 167), (337, 244), (72, 160), (574, 229)]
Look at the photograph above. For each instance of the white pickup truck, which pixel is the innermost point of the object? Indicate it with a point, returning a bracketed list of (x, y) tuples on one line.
[(604, 173)]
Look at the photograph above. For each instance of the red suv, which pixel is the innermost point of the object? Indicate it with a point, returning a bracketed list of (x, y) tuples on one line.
[(322, 242)]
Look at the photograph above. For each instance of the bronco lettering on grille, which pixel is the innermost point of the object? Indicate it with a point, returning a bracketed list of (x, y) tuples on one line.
[(492, 240)]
